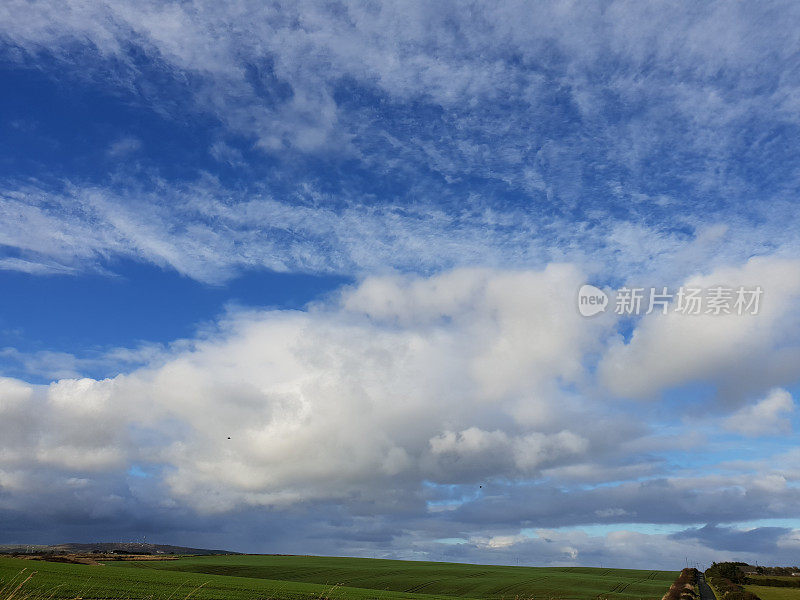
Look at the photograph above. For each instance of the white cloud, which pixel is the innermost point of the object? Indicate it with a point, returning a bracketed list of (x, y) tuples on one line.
[(211, 233), (338, 400), (224, 153), (496, 452), (124, 146), (469, 394), (408, 49), (13, 393), (622, 549), (768, 416), (34, 267), (272, 73), (744, 354), (461, 377)]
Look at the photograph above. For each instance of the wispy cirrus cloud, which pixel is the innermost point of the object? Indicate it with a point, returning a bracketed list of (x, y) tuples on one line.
[(432, 131), (212, 233)]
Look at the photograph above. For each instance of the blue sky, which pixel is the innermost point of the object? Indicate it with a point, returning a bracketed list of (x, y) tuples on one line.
[(350, 237)]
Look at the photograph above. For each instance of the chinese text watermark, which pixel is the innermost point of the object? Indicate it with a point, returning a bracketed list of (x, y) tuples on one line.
[(685, 300)]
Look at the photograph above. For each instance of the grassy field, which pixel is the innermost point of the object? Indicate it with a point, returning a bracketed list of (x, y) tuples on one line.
[(774, 580), (774, 593), (304, 578)]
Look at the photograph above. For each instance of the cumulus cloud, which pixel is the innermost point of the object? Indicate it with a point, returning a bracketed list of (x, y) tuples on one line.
[(769, 415), (406, 409), (744, 354), (323, 403), (504, 454)]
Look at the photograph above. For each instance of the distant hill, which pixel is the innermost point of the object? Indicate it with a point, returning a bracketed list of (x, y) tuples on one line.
[(106, 548)]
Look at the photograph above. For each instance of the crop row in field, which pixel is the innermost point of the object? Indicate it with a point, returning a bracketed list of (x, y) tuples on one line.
[(774, 593), (304, 578)]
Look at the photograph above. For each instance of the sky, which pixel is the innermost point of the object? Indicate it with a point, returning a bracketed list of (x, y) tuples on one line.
[(303, 277)]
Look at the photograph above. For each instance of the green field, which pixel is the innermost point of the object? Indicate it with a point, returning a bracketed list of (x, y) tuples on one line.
[(789, 580), (255, 577), (774, 593)]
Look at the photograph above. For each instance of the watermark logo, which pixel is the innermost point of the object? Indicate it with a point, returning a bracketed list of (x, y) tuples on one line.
[(591, 300), (686, 300)]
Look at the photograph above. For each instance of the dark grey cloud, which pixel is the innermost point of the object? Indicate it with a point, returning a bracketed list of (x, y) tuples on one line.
[(760, 540)]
